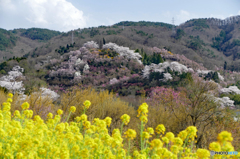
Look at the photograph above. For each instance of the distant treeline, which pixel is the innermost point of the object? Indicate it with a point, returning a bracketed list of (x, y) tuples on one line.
[(7, 39), (144, 23), (40, 34)]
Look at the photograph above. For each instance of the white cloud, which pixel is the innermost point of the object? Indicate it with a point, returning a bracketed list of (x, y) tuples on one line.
[(6, 5), (238, 12), (183, 16), (52, 14)]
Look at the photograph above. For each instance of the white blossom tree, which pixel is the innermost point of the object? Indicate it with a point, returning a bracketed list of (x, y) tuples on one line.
[(230, 89), (91, 45), (86, 67), (161, 67), (123, 51), (12, 81), (49, 93)]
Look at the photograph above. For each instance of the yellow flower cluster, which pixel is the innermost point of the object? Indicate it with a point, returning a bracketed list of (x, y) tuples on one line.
[(223, 144), (142, 110), (125, 119), (23, 136)]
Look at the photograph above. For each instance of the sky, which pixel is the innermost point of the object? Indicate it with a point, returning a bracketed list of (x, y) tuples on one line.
[(67, 15)]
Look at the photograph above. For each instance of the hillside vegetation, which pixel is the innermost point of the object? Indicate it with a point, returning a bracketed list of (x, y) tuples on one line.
[(180, 106), (208, 41)]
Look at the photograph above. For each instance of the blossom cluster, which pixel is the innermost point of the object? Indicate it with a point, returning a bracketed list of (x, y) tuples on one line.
[(71, 68), (157, 50), (91, 45), (49, 93), (114, 80), (12, 81), (161, 95), (123, 51), (231, 90), (225, 102), (162, 67), (205, 72)]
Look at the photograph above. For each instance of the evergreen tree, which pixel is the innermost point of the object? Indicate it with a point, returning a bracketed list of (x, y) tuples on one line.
[(225, 65), (159, 59), (154, 58), (215, 77), (104, 42), (136, 50)]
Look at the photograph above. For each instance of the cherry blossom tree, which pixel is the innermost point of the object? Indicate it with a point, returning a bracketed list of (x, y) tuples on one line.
[(123, 51), (91, 45), (12, 81), (162, 67), (49, 93)]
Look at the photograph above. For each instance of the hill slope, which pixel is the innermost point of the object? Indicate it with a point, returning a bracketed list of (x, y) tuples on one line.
[(207, 41)]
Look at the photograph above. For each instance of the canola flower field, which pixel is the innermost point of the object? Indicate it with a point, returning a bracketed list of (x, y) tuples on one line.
[(23, 136)]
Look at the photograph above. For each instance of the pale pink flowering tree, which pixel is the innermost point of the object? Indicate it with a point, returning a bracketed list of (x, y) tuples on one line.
[(91, 45), (157, 50), (113, 81), (166, 97)]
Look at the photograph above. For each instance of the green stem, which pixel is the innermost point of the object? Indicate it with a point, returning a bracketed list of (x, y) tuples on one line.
[(129, 147), (192, 146), (68, 116), (141, 133), (121, 128)]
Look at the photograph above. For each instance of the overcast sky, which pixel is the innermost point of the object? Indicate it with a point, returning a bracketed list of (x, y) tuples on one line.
[(66, 15)]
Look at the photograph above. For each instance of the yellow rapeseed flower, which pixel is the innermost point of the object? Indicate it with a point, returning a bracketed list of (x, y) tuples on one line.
[(6, 106), (130, 134), (170, 136), (84, 153), (60, 112), (50, 115), (17, 114), (227, 147), (192, 132), (86, 124), (87, 104), (177, 141), (144, 119), (25, 105), (125, 119), (146, 135), (150, 130), (224, 136), (203, 153), (183, 135), (72, 109), (175, 149), (165, 140), (142, 110), (215, 146), (108, 121), (156, 144), (160, 129), (10, 95), (9, 100)]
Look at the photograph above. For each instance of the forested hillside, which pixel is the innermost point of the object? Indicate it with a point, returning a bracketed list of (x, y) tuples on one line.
[(208, 41)]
